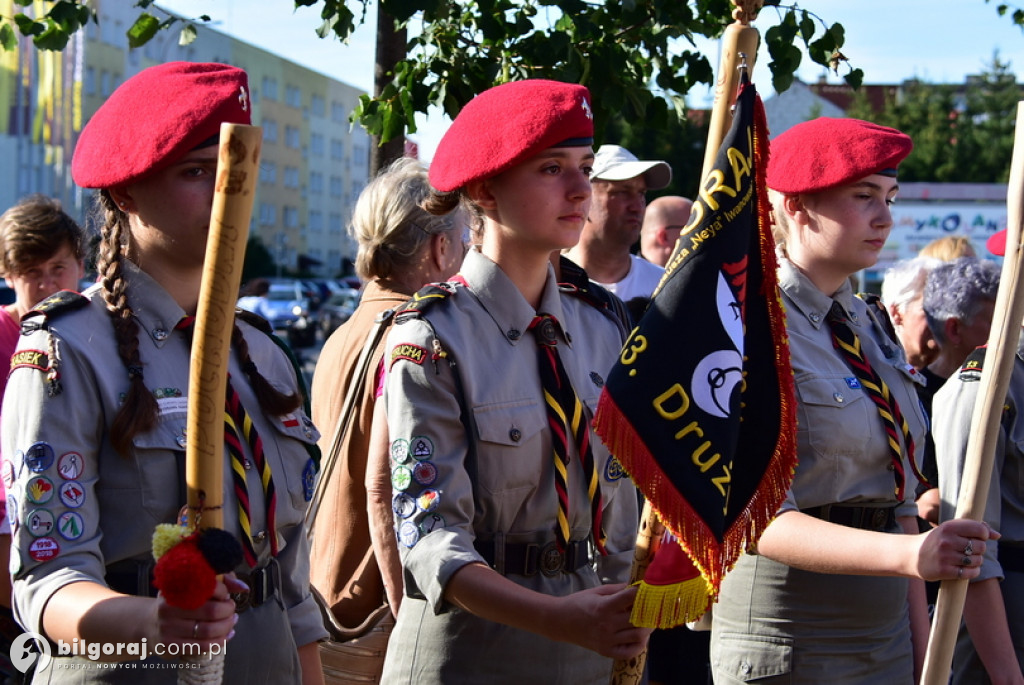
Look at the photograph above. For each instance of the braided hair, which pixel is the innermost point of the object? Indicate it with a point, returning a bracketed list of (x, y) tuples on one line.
[(139, 410)]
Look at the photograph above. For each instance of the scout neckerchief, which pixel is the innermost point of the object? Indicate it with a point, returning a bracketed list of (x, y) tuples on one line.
[(848, 345), (566, 418)]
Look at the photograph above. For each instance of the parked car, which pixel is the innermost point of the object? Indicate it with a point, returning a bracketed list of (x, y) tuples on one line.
[(288, 310), (337, 310)]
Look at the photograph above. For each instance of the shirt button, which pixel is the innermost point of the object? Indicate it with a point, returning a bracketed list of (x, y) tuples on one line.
[(182, 442), (247, 464), (260, 536), (513, 334), (515, 434), (159, 334), (745, 668), (838, 397)]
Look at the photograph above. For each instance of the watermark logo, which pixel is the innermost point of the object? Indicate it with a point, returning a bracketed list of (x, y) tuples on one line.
[(29, 648)]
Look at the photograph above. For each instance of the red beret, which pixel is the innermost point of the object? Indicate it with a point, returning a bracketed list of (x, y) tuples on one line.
[(824, 153), (508, 124), (996, 243), (155, 117)]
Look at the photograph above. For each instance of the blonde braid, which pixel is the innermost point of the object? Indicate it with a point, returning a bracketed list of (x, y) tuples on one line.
[(138, 412)]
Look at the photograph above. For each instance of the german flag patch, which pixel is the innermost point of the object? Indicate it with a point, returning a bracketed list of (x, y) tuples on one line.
[(30, 359), (412, 353)]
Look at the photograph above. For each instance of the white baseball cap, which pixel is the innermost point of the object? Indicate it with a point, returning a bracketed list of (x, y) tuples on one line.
[(616, 163)]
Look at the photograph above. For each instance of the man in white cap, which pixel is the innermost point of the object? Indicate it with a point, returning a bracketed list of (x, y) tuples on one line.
[(620, 183)]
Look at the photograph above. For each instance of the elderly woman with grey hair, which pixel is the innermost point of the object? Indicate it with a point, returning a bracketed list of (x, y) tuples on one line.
[(958, 300), (901, 294)]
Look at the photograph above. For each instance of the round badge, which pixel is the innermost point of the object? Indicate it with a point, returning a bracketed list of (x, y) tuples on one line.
[(12, 512), (613, 470), (43, 549), (401, 477), (424, 472), (39, 457), (428, 500), (7, 473), (70, 525), (403, 505), (72, 494), (431, 523), (400, 450), (421, 447), (39, 522), (39, 490), (70, 465), (408, 534)]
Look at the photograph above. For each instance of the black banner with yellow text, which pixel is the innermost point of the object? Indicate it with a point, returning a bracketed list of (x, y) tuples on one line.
[(699, 408)]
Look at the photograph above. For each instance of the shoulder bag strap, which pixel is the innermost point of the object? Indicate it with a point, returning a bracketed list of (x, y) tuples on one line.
[(355, 386)]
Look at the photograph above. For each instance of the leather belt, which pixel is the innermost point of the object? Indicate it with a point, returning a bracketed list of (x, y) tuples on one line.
[(1011, 557), (880, 519), (526, 559), (136, 578)]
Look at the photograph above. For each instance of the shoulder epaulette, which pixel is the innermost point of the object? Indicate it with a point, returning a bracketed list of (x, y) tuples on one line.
[(50, 308), (254, 320), (427, 296), (972, 367)]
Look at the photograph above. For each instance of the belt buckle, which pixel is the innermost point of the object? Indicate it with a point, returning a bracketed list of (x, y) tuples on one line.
[(551, 561), (243, 600)]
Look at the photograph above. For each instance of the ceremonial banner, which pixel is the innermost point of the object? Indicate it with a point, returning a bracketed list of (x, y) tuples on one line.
[(699, 408)]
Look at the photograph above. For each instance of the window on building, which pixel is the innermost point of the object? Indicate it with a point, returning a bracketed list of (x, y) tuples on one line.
[(335, 186), (334, 223), (291, 217), (316, 144), (269, 88), (316, 182), (292, 137), (316, 221), (269, 131), (337, 149), (90, 81), (337, 112), (291, 177), (268, 173), (105, 88), (268, 214), (316, 104), (293, 96)]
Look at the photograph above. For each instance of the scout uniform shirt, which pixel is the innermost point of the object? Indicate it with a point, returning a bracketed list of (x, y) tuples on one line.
[(491, 479), (767, 611), (1004, 509), (80, 507)]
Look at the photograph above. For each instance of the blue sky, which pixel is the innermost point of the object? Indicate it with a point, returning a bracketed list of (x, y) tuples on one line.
[(939, 41)]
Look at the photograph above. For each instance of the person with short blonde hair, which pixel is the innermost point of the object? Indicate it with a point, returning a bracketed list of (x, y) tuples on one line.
[(948, 248)]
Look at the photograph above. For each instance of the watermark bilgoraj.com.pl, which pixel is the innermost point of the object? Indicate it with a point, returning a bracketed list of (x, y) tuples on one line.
[(28, 648)]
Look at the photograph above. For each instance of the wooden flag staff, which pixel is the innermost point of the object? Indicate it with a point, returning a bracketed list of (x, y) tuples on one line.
[(981, 445), (739, 47)]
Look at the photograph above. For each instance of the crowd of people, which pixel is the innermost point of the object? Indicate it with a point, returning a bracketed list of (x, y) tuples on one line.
[(444, 483)]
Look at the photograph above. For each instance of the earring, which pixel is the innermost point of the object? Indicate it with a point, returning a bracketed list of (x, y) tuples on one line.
[(122, 204)]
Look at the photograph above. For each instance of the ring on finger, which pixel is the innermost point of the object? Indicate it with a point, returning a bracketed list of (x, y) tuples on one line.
[(195, 630), (969, 549), (966, 561), (960, 573)]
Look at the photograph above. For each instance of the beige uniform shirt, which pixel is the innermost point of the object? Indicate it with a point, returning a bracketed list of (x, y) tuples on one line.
[(80, 506)]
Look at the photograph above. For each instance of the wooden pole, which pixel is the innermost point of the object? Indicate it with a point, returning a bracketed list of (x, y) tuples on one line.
[(981, 445), (237, 171)]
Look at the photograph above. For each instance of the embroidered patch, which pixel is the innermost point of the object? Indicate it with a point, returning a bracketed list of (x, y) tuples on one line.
[(400, 450), (412, 353), (613, 470), (401, 477), (7, 473), (70, 525), (408, 534), (43, 549), (70, 465), (39, 457), (30, 359), (12, 512), (853, 382), (290, 421), (39, 490), (308, 480), (72, 494), (421, 447), (428, 500), (39, 522), (403, 505), (431, 523), (424, 472), (162, 393), (971, 371)]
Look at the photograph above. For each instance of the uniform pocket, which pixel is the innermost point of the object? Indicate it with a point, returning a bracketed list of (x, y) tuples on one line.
[(834, 414), (744, 658), (517, 447), (157, 484)]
